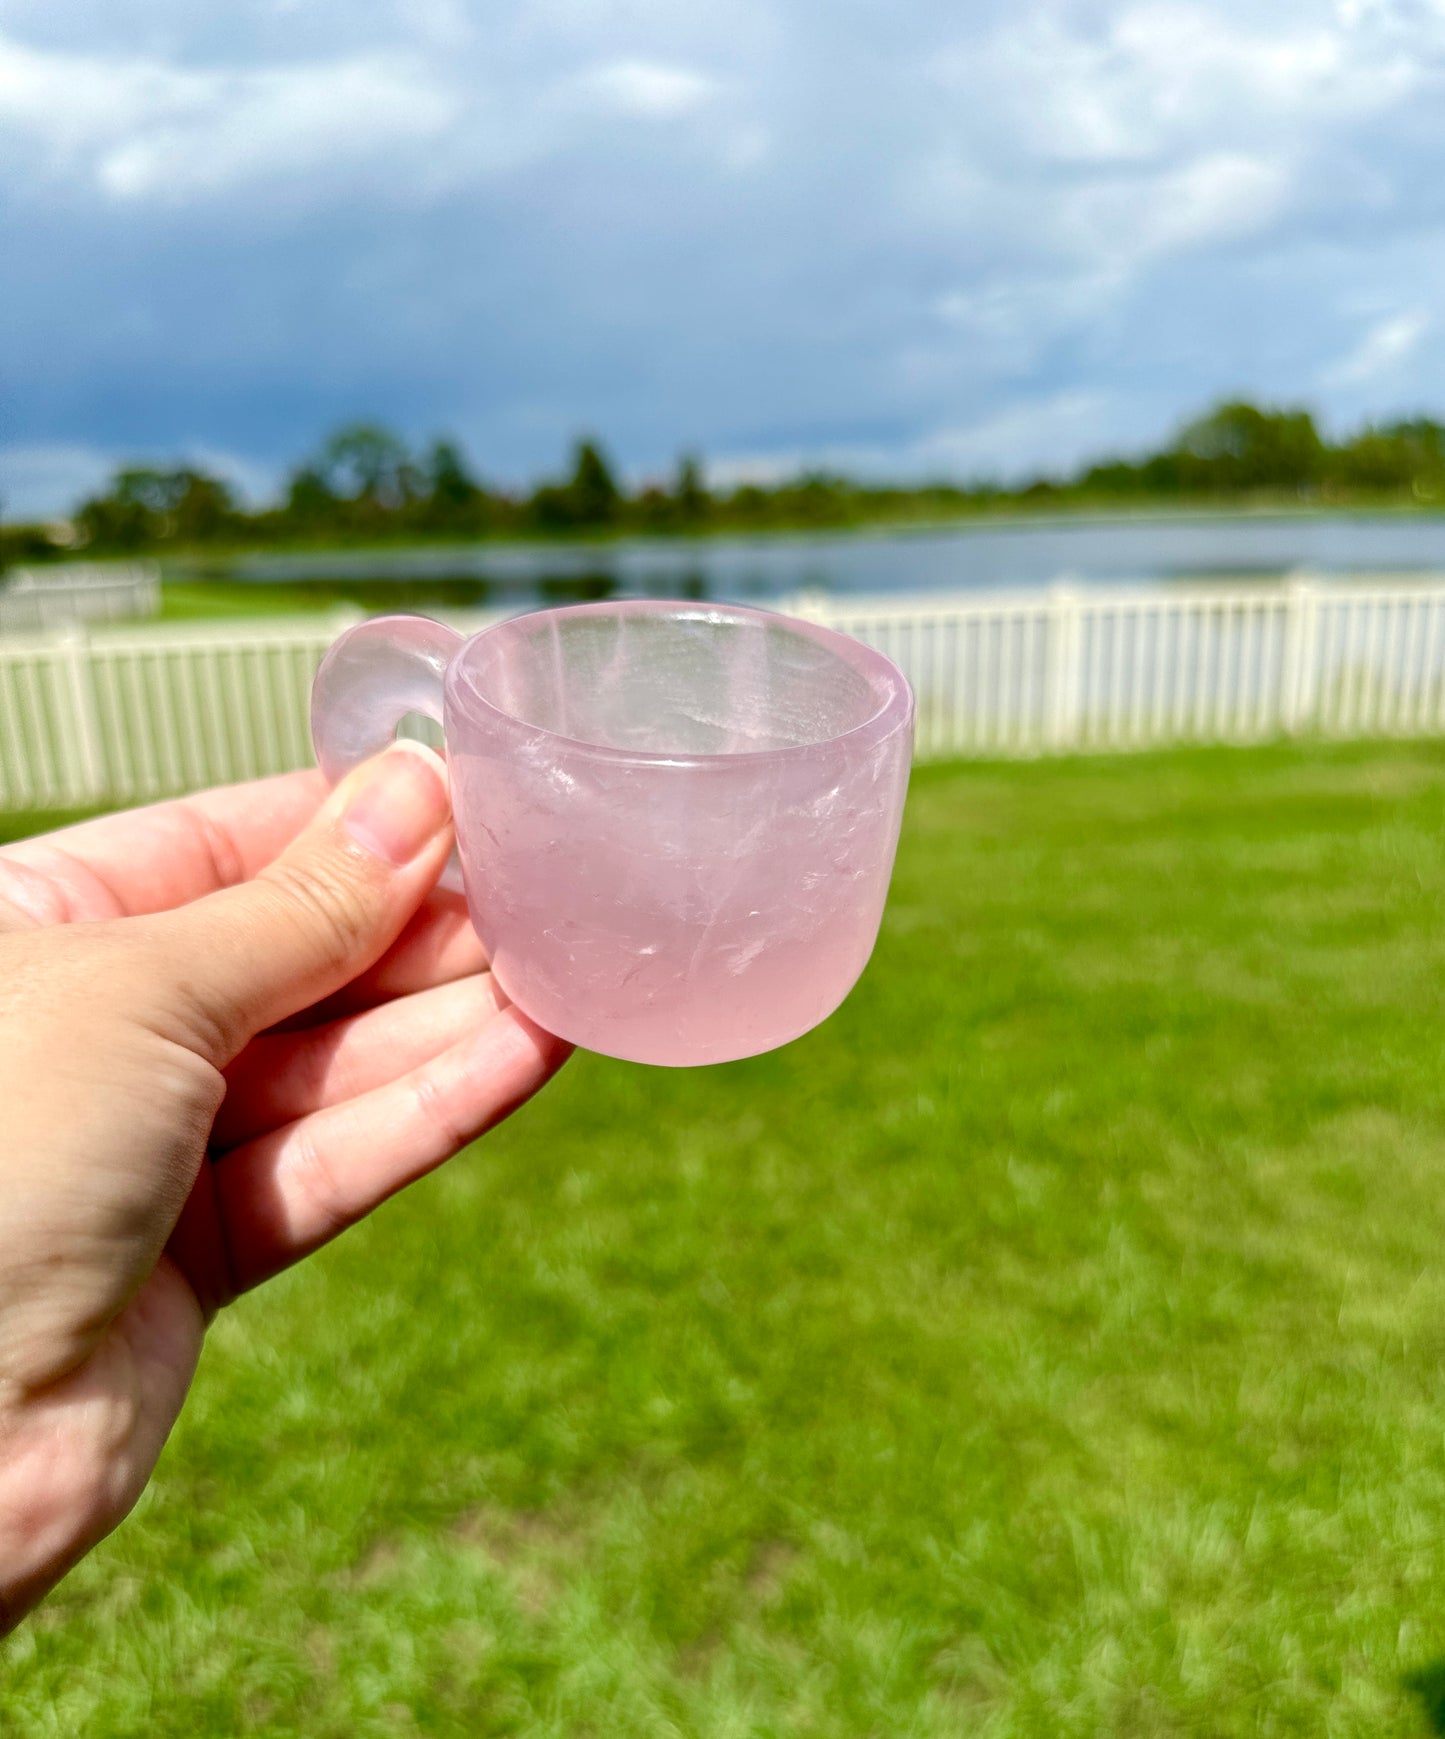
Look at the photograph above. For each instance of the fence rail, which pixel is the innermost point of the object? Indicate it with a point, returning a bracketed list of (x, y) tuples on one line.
[(1072, 669), (124, 715), (35, 600)]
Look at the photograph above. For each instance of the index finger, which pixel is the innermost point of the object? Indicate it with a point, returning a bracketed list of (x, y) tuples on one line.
[(162, 856)]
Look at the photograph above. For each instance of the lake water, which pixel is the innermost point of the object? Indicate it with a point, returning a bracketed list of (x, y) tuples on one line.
[(987, 555)]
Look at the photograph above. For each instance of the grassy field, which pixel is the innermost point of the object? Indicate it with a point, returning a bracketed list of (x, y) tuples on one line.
[(203, 600), (1052, 1344)]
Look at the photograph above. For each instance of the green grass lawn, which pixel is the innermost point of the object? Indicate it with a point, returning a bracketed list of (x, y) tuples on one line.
[(1052, 1344), (204, 600)]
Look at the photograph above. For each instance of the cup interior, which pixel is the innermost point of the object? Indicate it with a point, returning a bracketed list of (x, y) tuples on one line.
[(677, 679)]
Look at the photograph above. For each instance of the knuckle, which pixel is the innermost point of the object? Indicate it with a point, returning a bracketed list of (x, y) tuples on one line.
[(326, 1201), (451, 1134), (332, 908)]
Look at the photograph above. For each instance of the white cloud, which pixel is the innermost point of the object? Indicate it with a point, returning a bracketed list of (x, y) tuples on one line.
[(1084, 146), (1015, 307), (1067, 248), (1165, 76), (1053, 430), (998, 327), (1133, 132), (142, 129), (149, 130), (446, 23), (971, 237), (1385, 346), (646, 89), (1218, 195), (1409, 15)]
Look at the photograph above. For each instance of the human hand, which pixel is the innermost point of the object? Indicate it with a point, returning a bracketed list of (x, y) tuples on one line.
[(229, 1027)]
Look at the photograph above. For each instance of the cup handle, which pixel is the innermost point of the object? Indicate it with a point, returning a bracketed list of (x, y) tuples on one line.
[(372, 676)]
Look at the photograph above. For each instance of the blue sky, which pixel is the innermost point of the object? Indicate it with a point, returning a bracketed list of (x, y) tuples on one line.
[(907, 238)]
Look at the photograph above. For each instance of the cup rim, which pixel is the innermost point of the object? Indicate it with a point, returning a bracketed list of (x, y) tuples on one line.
[(886, 681)]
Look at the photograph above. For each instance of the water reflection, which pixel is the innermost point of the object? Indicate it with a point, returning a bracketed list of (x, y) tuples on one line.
[(998, 555)]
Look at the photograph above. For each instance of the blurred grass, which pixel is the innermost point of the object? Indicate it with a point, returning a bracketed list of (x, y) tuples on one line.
[(200, 600), (1050, 1345), (20, 825)]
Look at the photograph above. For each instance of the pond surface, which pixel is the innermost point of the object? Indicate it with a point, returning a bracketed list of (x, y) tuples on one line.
[(987, 555)]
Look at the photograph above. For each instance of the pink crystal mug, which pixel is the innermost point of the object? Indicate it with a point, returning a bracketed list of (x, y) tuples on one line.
[(676, 822)]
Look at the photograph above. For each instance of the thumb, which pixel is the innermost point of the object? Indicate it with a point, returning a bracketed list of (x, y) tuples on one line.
[(322, 912)]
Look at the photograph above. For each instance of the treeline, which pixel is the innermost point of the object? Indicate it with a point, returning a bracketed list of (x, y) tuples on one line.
[(366, 485), (1239, 450)]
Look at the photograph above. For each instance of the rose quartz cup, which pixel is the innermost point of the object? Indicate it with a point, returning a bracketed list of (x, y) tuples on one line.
[(675, 822)]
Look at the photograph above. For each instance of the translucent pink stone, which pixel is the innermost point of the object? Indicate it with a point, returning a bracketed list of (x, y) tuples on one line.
[(676, 821)]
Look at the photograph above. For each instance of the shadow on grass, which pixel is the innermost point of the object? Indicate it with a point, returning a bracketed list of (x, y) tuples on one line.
[(1427, 1684)]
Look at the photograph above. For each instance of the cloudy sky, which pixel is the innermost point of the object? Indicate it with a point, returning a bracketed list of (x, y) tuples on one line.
[(907, 237)]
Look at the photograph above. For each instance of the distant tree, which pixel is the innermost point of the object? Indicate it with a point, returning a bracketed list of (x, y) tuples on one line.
[(450, 482), (309, 496), (367, 463), (594, 491), (690, 492), (1113, 477), (815, 498), (115, 520), (452, 500), (26, 543), (144, 506), (588, 500), (1391, 457), (1238, 446), (1374, 460), (205, 508), (1423, 435), (751, 504), (654, 509), (363, 482), (550, 508), (1160, 474)]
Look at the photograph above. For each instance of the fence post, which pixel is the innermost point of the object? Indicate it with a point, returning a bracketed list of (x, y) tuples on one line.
[(1063, 674), (808, 605), (79, 732), (148, 594), (1301, 631)]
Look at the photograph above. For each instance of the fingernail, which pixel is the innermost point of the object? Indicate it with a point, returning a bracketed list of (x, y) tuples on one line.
[(402, 806)]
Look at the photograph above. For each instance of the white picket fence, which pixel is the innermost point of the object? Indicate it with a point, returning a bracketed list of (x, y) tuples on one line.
[(1118, 669), (123, 715), (34, 600)]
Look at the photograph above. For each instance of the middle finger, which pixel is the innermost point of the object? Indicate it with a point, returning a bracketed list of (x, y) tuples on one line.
[(283, 1075)]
